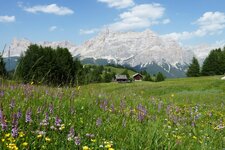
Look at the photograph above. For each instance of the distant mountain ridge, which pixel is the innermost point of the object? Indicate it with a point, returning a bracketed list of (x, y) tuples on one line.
[(141, 50)]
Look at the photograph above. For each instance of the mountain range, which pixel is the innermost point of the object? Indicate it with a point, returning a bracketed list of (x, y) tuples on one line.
[(140, 50)]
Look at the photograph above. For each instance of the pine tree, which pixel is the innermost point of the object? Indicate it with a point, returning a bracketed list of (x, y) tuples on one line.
[(2, 67), (159, 77), (194, 68), (214, 63), (48, 65)]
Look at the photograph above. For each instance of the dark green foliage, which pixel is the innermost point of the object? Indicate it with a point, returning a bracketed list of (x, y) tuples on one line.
[(122, 67), (125, 72), (214, 64), (147, 76), (108, 76), (2, 67), (91, 74), (46, 65), (159, 77), (194, 68)]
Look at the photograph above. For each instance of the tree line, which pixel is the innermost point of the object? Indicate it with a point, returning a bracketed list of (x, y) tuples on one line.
[(45, 65), (214, 64)]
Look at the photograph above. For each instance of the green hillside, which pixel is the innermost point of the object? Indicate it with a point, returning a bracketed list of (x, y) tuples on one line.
[(187, 90), (120, 70)]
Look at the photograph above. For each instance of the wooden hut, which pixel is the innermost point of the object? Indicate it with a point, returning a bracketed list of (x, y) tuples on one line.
[(137, 77), (121, 79)]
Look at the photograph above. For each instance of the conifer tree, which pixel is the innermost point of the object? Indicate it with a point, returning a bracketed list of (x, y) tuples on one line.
[(159, 77), (2, 67), (214, 63), (194, 68)]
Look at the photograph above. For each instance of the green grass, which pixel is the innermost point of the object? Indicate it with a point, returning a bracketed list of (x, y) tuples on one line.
[(120, 70), (175, 114)]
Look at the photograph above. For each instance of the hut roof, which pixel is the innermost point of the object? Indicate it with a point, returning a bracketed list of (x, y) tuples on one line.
[(137, 74), (121, 77)]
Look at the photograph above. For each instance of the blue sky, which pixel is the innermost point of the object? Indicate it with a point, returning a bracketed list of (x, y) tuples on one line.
[(190, 22)]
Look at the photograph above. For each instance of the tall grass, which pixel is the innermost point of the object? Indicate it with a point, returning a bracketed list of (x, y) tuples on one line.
[(175, 114)]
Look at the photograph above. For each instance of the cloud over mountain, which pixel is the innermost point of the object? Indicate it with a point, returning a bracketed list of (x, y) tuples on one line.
[(50, 9)]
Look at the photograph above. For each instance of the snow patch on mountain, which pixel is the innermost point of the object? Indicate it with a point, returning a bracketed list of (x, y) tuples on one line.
[(19, 46), (134, 48)]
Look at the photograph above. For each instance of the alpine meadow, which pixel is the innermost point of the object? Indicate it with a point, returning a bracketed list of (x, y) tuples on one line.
[(112, 75)]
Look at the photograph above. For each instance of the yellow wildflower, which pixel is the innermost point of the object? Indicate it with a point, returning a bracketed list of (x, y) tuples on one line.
[(172, 95), (12, 146), (7, 135), (47, 139), (93, 140), (108, 146), (25, 144), (39, 136), (85, 148), (62, 127), (111, 148), (3, 140), (194, 137), (21, 134)]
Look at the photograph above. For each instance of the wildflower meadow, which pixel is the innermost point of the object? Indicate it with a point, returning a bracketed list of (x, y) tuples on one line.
[(175, 114)]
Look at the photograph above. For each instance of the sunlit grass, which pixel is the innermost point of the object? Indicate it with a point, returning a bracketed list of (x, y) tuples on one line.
[(175, 114)]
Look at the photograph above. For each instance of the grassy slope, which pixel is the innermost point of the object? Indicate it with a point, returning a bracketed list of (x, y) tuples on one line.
[(120, 70), (195, 90)]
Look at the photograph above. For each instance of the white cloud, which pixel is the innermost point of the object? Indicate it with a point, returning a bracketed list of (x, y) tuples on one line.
[(118, 3), (166, 21), (50, 9), (52, 28), (7, 19), (140, 16), (90, 31), (210, 23)]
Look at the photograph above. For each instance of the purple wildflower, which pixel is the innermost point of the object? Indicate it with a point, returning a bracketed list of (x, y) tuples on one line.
[(104, 105), (19, 114), (122, 105), (71, 134), (58, 121), (168, 109), (160, 106), (77, 140), (98, 122), (28, 116), (112, 108), (142, 112), (14, 131), (38, 110), (1, 93), (51, 108), (45, 122), (15, 120), (3, 123), (1, 113)]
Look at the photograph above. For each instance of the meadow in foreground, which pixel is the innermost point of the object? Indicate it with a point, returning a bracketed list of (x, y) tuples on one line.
[(175, 114)]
